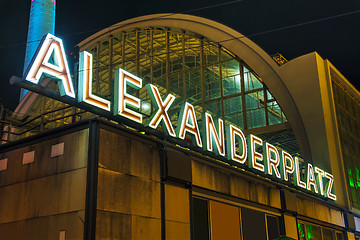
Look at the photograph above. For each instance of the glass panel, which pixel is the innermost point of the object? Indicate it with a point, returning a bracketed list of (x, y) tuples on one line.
[(211, 53), (348, 123), (232, 105), (225, 55), (230, 68), (313, 232), (301, 230), (214, 108), (255, 113), (233, 111), (253, 224), (231, 85), (236, 119), (274, 113), (273, 228), (328, 234), (193, 86), (339, 236), (220, 216), (200, 219), (250, 81)]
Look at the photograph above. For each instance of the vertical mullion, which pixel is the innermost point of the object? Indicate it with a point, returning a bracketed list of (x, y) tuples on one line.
[(266, 106), (221, 83), (151, 55), (111, 82), (97, 68), (242, 79), (183, 66), (92, 181), (137, 52), (202, 76), (167, 61), (123, 50)]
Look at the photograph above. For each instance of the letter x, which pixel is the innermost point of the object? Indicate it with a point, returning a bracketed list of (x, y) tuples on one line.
[(162, 107)]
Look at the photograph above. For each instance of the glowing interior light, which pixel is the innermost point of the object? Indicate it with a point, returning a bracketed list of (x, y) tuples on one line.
[(123, 99), (329, 186), (297, 175), (286, 165), (187, 123), (272, 160), (145, 106), (162, 107), (255, 157), (211, 137), (311, 180), (85, 83), (49, 47), (234, 135)]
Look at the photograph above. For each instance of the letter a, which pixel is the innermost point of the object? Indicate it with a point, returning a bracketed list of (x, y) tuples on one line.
[(51, 46)]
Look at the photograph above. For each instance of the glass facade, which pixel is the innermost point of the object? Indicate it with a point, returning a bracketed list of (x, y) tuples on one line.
[(348, 121), (190, 67), (216, 220), (309, 231)]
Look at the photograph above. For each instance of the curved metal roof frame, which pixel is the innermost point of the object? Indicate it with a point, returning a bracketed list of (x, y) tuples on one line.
[(256, 58)]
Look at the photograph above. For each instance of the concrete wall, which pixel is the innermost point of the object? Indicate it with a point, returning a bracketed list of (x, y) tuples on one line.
[(46, 196), (236, 185), (308, 81), (128, 202)]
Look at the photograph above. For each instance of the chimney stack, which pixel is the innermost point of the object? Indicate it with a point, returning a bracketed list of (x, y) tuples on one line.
[(41, 22)]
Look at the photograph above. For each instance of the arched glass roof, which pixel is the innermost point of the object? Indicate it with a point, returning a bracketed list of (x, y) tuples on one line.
[(195, 70), (192, 68), (189, 66)]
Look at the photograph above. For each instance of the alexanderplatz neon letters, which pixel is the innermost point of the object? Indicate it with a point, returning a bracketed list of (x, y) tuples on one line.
[(212, 138)]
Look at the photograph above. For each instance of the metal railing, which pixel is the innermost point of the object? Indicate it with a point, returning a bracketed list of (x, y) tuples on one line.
[(13, 129)]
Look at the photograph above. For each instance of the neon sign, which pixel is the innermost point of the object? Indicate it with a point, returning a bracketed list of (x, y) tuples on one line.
[(226, 141)]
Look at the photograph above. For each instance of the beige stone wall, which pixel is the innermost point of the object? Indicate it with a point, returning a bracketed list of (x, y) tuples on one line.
[(320, 212), (128, 202), (42, 198), (222, 181)]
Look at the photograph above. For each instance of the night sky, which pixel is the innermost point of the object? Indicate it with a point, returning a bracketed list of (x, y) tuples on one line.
[(336, 38)]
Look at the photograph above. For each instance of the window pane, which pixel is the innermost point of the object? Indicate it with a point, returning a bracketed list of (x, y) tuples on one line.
[(250, 81), (200, 217), (339, 236), (313, 232), (253, 224), (328, 234), (301, 230), (273, 227), (225, 221)]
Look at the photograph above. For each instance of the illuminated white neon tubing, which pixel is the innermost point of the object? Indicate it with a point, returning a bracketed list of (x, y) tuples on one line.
[(123, 99), (187, 123), (286, 169), (272, 160), (212, 137), (162, 108), (329, 186), (255, 156), (51, 46), (234, 134), (311, 180), (320, 174), (297, 175), (85, 83)]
